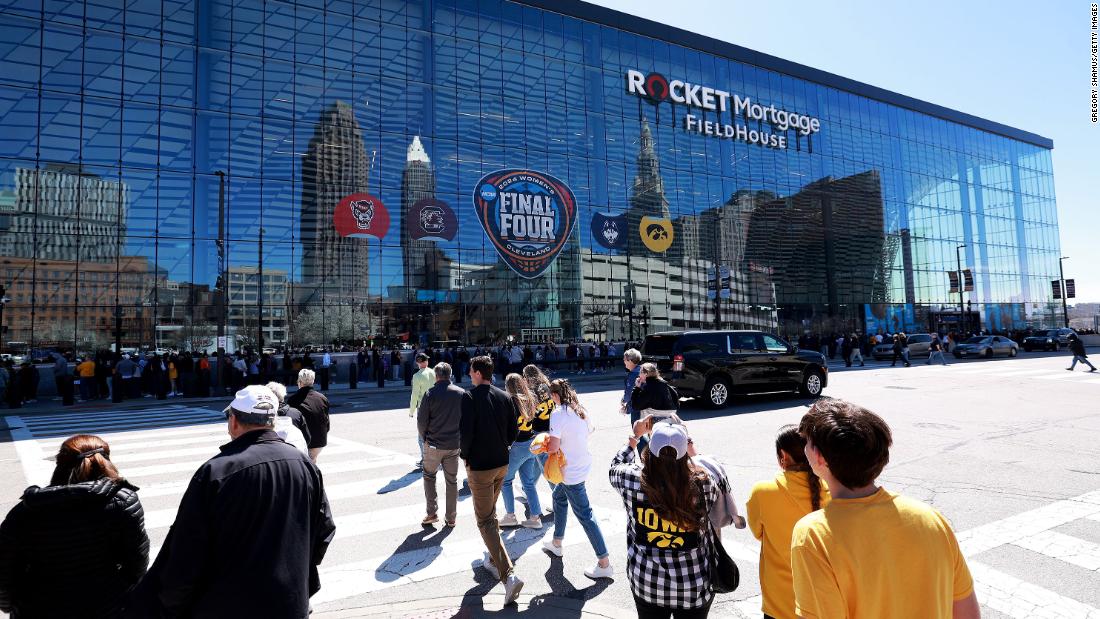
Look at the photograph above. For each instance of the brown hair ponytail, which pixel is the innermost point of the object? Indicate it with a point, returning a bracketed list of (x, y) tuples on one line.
[(790, 442), (81, 458)]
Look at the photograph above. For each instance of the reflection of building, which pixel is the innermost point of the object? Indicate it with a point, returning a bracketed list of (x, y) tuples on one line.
[(417, 182), (68, 301), (244, 299), (61, 213), (647, 194), (334, 166)]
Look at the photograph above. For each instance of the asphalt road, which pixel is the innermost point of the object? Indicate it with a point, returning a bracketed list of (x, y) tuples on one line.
[(1005, 449)]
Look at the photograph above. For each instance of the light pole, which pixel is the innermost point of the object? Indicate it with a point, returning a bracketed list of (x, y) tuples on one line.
[(222, 275), (959, 274), (1062, 284), (4, 300), (260, 297)]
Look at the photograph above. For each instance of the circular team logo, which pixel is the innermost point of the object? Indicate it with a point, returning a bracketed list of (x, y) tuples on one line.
[(361, 215), (430, 218), (657, 233), (656, 87), (528, 216)]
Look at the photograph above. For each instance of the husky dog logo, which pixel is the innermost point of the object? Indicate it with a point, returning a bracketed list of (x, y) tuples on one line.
[(433, 219), (363, 211), (527, 215), (609, 231), (361, 215)]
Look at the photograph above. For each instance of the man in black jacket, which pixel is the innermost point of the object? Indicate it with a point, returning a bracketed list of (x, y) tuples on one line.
[(1077, 347), (487, 430), (252, 527), (314, 406)]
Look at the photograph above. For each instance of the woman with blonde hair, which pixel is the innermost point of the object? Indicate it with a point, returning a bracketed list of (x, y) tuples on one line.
[(569, 430), (76, 547), (520, 458)]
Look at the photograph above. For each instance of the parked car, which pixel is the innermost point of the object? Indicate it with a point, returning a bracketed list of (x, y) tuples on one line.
[(1048, 340), (987, 346), (919, 346), (713, 365)]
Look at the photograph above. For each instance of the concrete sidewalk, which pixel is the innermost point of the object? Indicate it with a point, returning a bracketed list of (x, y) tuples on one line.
[(488, 605)]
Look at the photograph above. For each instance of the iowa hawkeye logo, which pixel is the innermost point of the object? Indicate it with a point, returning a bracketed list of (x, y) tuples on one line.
[(527, 215)]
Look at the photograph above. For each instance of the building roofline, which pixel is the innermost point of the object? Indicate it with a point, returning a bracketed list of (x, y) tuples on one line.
[(678, 36)]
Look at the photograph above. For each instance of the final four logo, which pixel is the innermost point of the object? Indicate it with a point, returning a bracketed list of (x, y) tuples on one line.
[(527, 215)]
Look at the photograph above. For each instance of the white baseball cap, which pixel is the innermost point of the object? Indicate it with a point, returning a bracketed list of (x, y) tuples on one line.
[(255, 404), (666, 434)]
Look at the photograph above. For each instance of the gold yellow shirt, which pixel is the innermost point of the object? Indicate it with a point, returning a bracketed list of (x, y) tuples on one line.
[(774, 506), (883, 555)]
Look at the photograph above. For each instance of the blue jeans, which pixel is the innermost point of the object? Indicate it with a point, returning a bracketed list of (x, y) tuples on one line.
[(643, 441), (577, 497), (1077, 358), (521, 460)]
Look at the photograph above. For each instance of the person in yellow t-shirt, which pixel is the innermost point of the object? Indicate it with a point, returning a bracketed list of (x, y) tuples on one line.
[(870, 553), (774, 507)]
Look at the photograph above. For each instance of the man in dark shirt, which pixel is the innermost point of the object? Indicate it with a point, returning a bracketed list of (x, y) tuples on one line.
[(437, 420), (252, 528), (314, 406), (487, 431)]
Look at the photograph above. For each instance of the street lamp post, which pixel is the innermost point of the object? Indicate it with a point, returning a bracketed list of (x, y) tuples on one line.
[(4, 300), (260, 297), (959, 273), (222, 275), (1062, 283)]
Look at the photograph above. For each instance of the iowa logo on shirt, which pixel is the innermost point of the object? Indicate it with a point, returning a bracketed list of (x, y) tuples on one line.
[(651, 530)]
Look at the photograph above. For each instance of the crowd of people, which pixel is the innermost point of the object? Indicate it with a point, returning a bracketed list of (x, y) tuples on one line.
[(258, 509)]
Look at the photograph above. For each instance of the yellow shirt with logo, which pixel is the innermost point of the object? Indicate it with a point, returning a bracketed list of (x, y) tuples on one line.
[(883, 555), (774, 507)]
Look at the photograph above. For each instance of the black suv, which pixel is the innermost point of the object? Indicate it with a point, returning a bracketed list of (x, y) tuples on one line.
[(714, 364)]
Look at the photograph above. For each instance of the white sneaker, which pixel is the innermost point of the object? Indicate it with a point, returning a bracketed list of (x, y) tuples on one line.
[(548, 546), (534, 522), (509, 520), (487, 565), (512, 587), (596, 572)]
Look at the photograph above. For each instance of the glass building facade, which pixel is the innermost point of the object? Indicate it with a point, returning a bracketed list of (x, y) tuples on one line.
[(181, 168)]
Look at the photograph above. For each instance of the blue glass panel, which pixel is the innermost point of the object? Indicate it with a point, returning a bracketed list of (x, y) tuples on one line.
[(309, 39), (26, 8), (248, 85), (104, 15), (101, 131), (177, 75), (143, 18), (211, 142), (279, 31), (278, 89), (142, 71), (179, 21), (19, 50), (59, 129), (103, 65), (249, 32), (64, 11), (62, 59), (19, 111), (140, 136), (176, 131)]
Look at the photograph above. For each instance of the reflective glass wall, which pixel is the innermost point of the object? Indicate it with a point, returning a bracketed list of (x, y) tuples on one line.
[(172, 165)]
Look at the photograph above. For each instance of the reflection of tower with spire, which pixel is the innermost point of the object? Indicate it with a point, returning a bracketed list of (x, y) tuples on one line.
[(417, 183), (647, 194), (335, 165)]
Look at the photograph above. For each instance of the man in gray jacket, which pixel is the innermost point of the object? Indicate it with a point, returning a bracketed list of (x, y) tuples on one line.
[(437, 420)]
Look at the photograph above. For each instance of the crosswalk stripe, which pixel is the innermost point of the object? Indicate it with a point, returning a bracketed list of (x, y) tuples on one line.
[(1063, 547), (1017, 527), (1071, 376), (191, 465), (79, 420), (70, 414), (1022, 600), (119, 456), (91, 428), (216, 435), (139, 436)]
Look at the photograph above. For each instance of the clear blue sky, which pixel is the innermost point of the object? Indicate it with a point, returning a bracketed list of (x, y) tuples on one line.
[(1024, 64)]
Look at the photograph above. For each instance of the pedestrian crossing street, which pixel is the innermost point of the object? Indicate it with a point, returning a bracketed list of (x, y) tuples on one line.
[(377, 497)]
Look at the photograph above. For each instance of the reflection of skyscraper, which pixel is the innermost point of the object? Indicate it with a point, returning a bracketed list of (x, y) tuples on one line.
[(80, 216), (417, 183), (335, 165), (647, 194), (824, 243)]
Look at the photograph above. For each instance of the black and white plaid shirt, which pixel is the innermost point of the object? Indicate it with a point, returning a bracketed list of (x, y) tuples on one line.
[(667, 566)]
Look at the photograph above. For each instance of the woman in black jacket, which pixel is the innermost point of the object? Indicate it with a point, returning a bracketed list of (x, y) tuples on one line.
[(652, 392), (76, 547)]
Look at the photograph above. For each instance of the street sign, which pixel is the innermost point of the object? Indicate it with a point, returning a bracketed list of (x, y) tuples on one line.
[(222, 340), (954, 276), (968, 281), (1056, 288), (1071, 289)]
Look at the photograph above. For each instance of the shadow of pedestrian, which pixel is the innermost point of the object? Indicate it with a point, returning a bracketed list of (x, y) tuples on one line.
[(560, 587), (405, 480), (418, 551)]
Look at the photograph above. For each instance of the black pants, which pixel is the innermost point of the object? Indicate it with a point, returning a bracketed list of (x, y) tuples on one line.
[(652, 611)]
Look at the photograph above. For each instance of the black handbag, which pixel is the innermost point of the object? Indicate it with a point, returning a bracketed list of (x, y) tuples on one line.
[(724, 575)]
